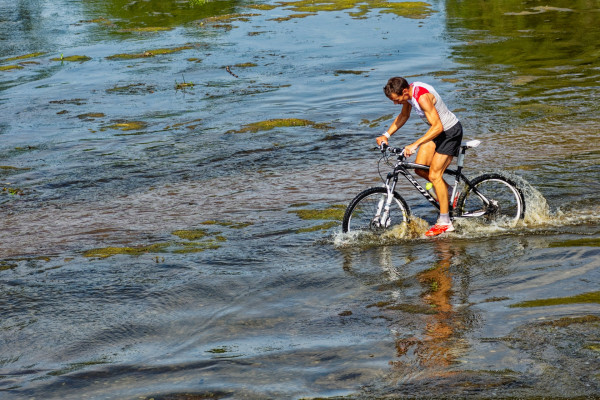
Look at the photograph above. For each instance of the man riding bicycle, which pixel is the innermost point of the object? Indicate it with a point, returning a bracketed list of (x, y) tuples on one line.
[(436, 147)]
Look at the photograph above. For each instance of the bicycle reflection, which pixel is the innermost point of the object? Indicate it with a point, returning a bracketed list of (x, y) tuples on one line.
[(429, 328)]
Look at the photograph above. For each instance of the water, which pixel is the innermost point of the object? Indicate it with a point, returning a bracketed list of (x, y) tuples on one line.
[(222, 285)]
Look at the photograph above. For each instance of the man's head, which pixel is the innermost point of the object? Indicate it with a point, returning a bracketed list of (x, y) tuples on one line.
[(397, 90)]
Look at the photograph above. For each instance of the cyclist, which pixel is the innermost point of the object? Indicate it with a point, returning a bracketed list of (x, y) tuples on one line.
[(436, 147)]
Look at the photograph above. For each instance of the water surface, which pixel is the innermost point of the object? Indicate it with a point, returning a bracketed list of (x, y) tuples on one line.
[(160, 240)]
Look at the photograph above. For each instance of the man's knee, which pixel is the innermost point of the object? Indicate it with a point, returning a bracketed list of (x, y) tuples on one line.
[(435, 175)]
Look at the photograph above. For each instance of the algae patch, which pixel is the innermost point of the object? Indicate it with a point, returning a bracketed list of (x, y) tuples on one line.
[(591, 297), (24, 57), (80, 59), (148, 53), (190, 234), (415, 9), (586, 242), (146, 29), (127, 125), (321, 227), (10, 67), (278, 123), (335, 212), (131, 251)]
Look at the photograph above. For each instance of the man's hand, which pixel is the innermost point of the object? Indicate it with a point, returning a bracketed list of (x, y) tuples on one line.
[(410, 150), (381, 139)]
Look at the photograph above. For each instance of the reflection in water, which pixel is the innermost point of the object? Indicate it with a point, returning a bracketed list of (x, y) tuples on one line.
[(434, 348)]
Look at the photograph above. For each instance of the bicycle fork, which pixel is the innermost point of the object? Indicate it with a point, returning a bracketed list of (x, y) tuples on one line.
[(382, 216)]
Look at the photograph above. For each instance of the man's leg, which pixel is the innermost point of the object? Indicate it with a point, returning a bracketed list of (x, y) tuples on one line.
[(425, 157), (438, 165)]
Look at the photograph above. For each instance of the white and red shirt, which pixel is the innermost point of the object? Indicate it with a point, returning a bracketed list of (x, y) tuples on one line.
[(446, 116)]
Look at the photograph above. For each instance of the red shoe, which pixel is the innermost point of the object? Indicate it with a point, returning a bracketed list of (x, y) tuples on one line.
[(438, 229)]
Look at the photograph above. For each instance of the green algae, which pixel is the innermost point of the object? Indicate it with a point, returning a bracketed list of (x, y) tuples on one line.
[(593, 347), (349, 72), (568, 321), (197, 247), (131, 251), (585, 242), (24, 57), (190, 234), (127, 125), (149, 53), (183, 85), (321, 227), (90, 115), (10, 67), (246, 65), (80, 59), (11, 168), (591, 297), (262, 7), (13, 191), (377, 121), (134, 88), (227, 18), (335, 212), (278, 123), (292, 16), (6, 266), (146, 29), (415, 10)]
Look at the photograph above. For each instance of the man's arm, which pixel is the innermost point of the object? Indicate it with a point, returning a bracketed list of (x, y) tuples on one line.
[(397, 124)]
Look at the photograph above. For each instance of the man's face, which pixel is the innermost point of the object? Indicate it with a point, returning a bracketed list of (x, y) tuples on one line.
[(400, 99)]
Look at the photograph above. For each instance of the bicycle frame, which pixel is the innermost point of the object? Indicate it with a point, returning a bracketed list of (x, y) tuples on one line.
[(402, 167)]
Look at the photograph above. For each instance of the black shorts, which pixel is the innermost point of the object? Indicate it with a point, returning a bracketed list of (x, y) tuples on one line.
[(448, 142)]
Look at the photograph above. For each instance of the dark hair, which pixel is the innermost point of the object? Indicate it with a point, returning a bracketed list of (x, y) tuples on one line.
[(395, 85)]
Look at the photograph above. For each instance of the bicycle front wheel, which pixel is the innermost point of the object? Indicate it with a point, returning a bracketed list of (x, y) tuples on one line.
[(492, 197), (364, 213)]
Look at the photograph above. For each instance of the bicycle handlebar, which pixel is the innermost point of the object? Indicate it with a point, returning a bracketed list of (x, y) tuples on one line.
[(394, 150)]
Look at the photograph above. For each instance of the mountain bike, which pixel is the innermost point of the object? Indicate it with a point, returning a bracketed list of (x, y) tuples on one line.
[(489, 197)]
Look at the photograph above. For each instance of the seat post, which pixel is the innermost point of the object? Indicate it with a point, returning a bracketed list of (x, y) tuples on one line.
[(461, 156)]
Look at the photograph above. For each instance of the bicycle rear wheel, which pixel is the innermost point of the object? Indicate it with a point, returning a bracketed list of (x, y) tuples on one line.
[(361, 214), (506, 201)]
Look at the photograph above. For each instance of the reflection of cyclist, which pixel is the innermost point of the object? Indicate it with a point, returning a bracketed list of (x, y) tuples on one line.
[(437, 347), (437, 146)]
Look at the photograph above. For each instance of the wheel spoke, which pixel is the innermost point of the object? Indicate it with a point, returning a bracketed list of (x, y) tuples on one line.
[(365, 213), (496, 200)]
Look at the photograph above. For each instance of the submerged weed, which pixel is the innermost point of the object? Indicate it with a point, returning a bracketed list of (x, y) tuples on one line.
[(321, 227), (26, 56), (80, 59), (190, 234), (585, 242), (278, 123), (148, 53), (127, 125), (228, 224), (591, 297), (335, 212), (132, 251), (10, 67)]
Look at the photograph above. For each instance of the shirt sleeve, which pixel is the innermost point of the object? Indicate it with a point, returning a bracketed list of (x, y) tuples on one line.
[(419, 91)]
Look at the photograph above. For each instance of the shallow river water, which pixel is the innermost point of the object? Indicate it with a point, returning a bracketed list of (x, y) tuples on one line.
[(173, 176)]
